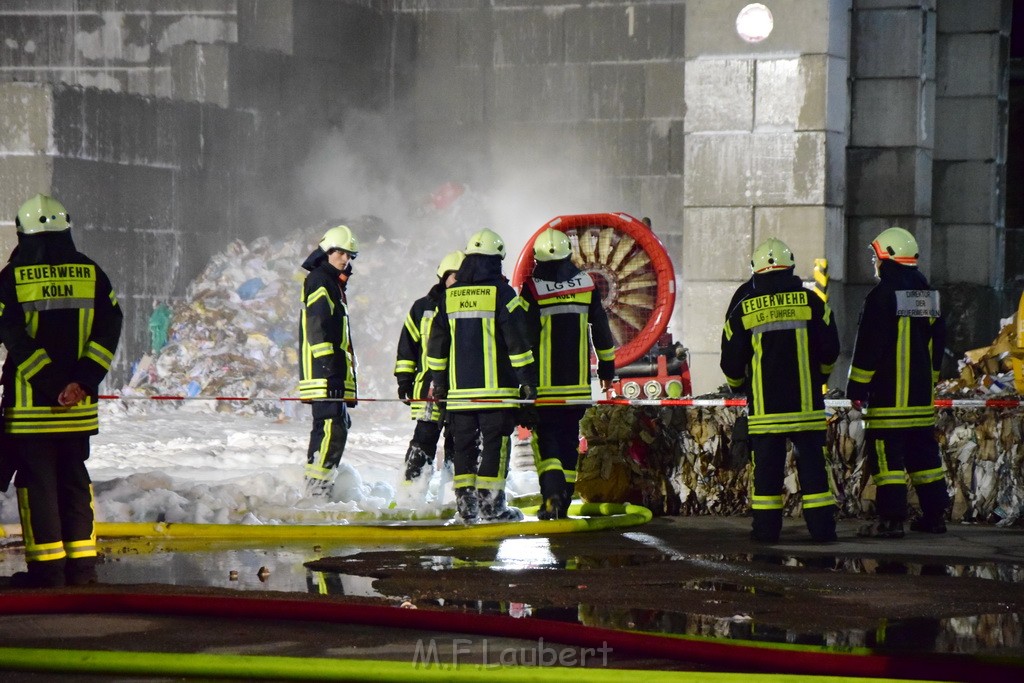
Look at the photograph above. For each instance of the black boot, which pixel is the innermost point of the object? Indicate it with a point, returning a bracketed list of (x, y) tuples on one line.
[(80, 571), (552, 508), (415, 460), (40, 575), (466, 503), (493, 507), (552, 489)]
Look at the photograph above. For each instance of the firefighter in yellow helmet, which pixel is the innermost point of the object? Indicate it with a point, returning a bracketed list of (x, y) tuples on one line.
[(414, 377), (60, 323), (479, 354), (327, 362), (565, 314), (896, 359), (779, 344)]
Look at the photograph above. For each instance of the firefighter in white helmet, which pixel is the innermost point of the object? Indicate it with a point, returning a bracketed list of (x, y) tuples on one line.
[(327, 362), (413, 376), (896, 359), (779, 344), (60, 323), (479, 354), (565, 313)]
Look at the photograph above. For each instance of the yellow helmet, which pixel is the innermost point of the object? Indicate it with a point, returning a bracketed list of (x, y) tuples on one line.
[(551, 245), (486, 242), (896, 244), (772, 254), (450, 262), (340, 237), (42, 214)]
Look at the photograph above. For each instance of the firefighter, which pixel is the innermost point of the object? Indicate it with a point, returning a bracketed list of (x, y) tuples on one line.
[(414, 377), (563, 311), (60, 322), (896, 359), (327, 362), (779, 345), (479, 354)]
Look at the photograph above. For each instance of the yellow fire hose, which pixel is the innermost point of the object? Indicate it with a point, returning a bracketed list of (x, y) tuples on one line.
[(585, 517), (311, 668)]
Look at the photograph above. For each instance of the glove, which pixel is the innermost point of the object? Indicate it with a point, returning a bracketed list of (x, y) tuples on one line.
[(335, 387), (405, 389), (739, 445), (439, 389), (526, 415)]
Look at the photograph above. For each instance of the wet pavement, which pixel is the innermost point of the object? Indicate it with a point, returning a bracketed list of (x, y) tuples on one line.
[(962, 592)]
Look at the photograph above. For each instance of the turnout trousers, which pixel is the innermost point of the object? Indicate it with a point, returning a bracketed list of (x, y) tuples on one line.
[(55, 500), (327, 439), (481, 441), (894, 455), (768, 453), (555, 442)]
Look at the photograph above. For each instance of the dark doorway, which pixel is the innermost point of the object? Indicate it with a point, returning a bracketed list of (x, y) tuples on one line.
[(1015, 155)]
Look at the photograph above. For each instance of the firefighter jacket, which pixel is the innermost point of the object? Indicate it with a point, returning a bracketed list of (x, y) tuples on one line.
[(780, 343), (326, 359), (411, 361), (478, 342), (563, 310), (61, 322), (896, 359)]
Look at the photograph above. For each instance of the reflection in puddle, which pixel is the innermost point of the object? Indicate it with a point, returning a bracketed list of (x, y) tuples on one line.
[(282, 569), (962, 635)]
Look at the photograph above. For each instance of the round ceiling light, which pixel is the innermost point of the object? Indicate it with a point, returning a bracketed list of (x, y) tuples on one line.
[(754, 23)]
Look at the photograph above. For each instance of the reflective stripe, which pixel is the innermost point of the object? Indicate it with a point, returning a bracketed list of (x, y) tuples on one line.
[(56, 304), (890, 478), (860, 376), (778, 326), (101, 355), (902, 361), (471, 314), (818, 500), (927, 476), (464, 480), (576, 309), (803, 359), (605, 354), (766, 502)]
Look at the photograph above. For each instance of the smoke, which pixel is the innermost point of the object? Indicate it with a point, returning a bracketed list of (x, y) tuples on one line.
[(368, 167)]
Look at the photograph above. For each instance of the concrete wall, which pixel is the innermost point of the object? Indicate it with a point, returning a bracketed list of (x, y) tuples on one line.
[(765, 139)]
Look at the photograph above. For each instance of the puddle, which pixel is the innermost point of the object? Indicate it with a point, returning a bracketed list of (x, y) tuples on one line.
[(963, 635), (281, 568)]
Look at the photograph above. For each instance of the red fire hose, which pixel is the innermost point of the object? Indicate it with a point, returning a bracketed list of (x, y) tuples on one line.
[(723, 655)]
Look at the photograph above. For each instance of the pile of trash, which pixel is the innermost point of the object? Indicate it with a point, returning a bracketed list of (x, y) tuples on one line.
[(989, 371), (235, 332)]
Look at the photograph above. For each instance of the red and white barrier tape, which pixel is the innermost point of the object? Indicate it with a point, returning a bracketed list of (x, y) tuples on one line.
[(664, 402)]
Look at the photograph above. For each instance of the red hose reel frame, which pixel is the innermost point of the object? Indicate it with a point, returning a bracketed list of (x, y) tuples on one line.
[(665, 295)]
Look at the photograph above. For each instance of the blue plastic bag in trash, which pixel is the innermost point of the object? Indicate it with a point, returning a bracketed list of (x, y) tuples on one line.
[(193, 389), (250, 288)]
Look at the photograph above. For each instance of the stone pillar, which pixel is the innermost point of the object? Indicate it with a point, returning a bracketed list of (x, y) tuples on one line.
[(26, 166), (970, 143), (765, 137)]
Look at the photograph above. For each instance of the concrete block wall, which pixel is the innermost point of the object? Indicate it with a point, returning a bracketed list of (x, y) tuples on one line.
[(765, 133), (892, 138), (119, 45), (578, 106), (970, 145), (148, 201)]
